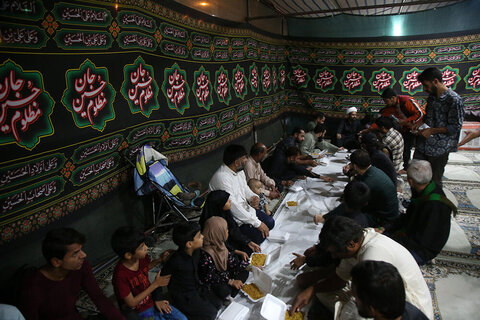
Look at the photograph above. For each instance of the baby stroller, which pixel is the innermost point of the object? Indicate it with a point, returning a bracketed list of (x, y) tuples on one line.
[(152, 176)]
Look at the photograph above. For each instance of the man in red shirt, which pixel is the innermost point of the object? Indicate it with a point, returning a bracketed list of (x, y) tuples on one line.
[(407, 111), (52, 291)]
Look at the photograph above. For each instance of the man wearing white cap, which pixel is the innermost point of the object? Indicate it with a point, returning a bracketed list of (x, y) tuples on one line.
[(348, 129)]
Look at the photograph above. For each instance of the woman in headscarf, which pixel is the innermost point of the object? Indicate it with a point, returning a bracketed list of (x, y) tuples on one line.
[(218, 204), (220, 270)]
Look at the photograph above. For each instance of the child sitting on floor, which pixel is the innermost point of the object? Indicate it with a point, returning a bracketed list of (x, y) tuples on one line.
[(255, 185), (130, 278), (220, 270), (184, 286)]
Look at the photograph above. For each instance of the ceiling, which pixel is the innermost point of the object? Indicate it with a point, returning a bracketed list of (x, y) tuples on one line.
[(326, 8)]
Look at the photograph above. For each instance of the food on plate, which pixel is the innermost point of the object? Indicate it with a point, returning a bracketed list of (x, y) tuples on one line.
[(258, 259), (296, 316), (292, 203), (253, 291)]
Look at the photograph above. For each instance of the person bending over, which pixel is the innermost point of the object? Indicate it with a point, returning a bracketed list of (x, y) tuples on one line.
[(290, 170), (346, 240), (384, 209)]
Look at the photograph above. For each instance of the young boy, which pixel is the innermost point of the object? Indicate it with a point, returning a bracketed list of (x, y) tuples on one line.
[(52, 291), (255, 185), (355, 197), (184, 286), (130, 277)]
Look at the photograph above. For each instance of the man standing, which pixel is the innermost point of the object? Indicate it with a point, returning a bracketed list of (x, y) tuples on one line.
[(425, 228), (443, 119), (407, 111), (253, 170), (230, 177)]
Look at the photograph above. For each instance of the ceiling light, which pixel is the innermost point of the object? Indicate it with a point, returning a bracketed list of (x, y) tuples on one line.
[(203, 4)]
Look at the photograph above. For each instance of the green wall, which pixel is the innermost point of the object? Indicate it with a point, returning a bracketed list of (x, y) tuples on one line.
[(454, 18)]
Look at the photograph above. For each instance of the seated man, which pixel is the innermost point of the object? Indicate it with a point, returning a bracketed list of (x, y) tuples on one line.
[(297, 137), (380, 293), (379, 159), (425, 228), (287, 169), (308, 144), (253, 170), (319, 118), (348, 129), (392, 139), (52, 291), (384, 209), (314, 140), (346, 240), (230, 177)]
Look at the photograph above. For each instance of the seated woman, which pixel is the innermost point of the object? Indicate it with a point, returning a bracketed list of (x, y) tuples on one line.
[(219, 270), (218, 204)]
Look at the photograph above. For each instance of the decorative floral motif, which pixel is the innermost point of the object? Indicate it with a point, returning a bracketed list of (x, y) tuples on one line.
[(114, 29), (50, 24)]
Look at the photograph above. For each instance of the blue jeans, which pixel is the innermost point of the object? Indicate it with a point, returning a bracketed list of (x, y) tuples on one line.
[(253, 233), (154, 314)]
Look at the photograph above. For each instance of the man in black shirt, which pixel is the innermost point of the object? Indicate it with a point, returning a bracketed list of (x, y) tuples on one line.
[(380, 293), (348, 129), (425, 228)]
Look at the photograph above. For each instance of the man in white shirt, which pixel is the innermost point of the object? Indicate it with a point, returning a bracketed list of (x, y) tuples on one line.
[(230, 177), (346, 240), (253, 170)]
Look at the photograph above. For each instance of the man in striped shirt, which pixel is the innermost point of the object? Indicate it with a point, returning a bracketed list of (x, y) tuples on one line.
[(392, 139), (407, 111)]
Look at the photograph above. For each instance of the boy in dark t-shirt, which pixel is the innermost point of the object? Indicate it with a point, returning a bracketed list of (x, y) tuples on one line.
[(51, 292), (184, 287), (130, 277)]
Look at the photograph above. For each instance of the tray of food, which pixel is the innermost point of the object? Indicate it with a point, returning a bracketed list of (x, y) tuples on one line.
[(253, 292), (295, 316), (292, 204), (258, 259), (260, 285)]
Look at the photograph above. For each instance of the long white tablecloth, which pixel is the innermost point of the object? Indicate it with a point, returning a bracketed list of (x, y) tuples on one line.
[(313, 196)]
